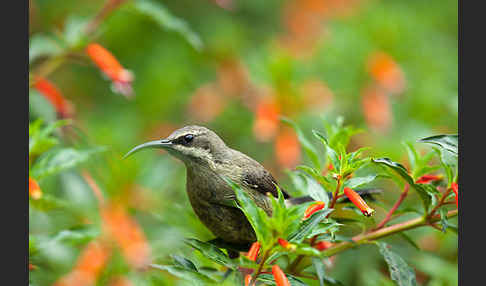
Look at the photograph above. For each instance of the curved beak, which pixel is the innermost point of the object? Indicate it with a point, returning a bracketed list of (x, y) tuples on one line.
[(158, 144)]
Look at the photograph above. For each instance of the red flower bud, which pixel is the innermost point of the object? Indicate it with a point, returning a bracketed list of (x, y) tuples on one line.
[(110, 66), (279, 275), (455, 188), (34, 189), (330, 167), (253, 252), (54, 96), (313, 208), (358, 202), (285, 244), (428, 178), (322, 245)]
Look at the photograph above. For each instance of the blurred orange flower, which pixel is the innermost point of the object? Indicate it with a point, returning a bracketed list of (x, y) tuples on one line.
[(89, 265), (121, 281), (109, 65), (376, 108), (35, 191), (232, 77), (266, 122), (317, 96), (386, 72), (63, 107), (128, 235), (287, 148), (247, 279), (206, 103)]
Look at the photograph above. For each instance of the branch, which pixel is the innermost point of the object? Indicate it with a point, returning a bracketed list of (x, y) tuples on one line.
[(393, 209), (380, 233)]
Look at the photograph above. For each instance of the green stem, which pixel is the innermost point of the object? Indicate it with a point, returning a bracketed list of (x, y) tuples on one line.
[(336, 192), (260, 266)]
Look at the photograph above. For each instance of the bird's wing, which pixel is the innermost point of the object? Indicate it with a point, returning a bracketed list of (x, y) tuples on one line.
[(256, 177)]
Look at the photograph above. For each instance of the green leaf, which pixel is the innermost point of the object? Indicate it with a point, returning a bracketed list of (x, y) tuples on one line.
[(400, 170), (161, 15), (400, 272), (74, 31), (47, 203), (39, 138), (331, 152), (446, 142), (62, 159), (316, 191), (41, 45), (76, 237), (307, 225), (308, 147), (323, 181), (268, 278), (359, 181), (255, 215), (183, 262), (412, 154), (181, 272), (320, 269), (448, 162), (211, 252), (328, 225), (33, 248), (40, 107)]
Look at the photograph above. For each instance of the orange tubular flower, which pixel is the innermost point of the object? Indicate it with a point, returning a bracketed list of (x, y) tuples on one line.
[(34, 189), (266, 122), (279, 275), (89, 265), (428, 178), (322, 245), (128, 234), (253, 252), (287, 148), (247, 279), (285, 244), (358, 201), (386, 72), (54, 96), (110, 66), (313, 208), (455, 188)]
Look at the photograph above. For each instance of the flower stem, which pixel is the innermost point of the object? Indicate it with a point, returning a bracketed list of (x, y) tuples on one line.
[(393, 209), (266, 254)]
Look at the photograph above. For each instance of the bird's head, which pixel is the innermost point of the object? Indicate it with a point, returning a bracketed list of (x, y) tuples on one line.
[(190, 144)]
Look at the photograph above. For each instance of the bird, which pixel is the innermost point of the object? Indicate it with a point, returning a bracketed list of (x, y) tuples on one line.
[(209, 163)]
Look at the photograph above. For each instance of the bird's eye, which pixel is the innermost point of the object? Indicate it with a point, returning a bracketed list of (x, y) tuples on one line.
[(188, 138)]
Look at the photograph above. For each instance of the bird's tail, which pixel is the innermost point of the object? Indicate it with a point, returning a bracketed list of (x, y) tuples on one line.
[(365, 194)]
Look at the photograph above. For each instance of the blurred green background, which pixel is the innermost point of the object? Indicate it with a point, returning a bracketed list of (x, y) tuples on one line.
[(390, 67)]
